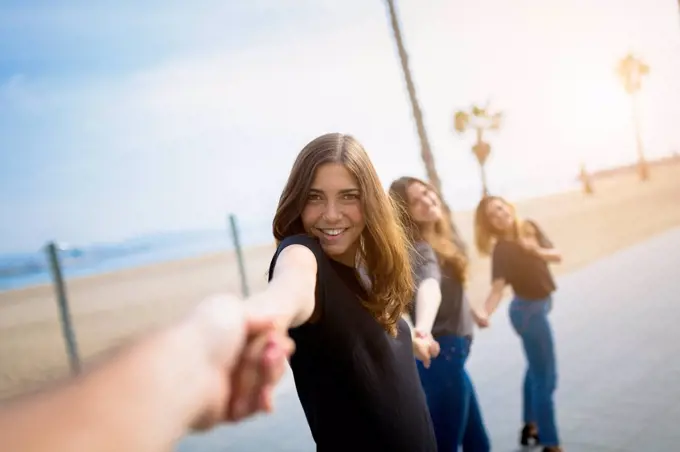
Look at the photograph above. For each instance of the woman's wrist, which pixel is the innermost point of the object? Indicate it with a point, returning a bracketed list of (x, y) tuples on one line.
[(421, 333)]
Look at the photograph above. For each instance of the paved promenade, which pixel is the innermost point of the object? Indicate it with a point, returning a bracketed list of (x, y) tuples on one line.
[(617, 333)]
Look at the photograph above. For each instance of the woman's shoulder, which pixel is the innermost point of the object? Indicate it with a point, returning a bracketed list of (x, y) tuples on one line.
[(299, 239), (305, 240)]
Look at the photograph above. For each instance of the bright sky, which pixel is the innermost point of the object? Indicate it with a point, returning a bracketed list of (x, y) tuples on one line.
[(133, 117)]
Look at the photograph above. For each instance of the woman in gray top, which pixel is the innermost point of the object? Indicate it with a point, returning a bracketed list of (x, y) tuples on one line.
[(441, 309)]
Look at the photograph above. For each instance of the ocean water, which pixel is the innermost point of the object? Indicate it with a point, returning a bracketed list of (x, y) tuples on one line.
[(20, 270)]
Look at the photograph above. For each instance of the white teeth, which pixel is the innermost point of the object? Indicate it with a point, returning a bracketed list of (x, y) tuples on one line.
[(333, 231)]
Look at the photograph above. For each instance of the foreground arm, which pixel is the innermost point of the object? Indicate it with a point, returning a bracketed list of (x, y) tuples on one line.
[(145, 396)]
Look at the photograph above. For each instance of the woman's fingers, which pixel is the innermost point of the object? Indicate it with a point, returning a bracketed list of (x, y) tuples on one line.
[(275, 363), (262, 365), (434, 348), (421, 351), (247, 379)]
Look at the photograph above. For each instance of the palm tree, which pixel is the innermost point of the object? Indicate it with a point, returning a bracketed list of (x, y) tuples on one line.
[(480, 120), (631, 69), (425, 150)]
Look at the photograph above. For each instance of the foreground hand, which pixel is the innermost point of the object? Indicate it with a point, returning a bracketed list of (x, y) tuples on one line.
[(237, 348)]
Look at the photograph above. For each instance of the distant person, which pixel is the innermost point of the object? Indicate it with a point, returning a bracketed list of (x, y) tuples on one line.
[(521, 254), (212, 366), (354, 364), (441, 309)]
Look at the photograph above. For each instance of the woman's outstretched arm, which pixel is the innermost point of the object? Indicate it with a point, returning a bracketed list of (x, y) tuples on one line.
[(495, 296), (428, 297), (290, 297)]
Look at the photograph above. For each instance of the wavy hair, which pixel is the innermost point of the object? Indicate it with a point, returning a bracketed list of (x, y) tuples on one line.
[(486, 234), (440, 239), (383, 247)]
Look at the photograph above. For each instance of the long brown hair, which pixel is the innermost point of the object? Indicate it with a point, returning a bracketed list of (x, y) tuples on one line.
[(486, 234), (383, 248), (441, 239)]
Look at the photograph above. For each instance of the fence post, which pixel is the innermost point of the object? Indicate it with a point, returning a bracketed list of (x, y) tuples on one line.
[(62, 299), (239, 255)]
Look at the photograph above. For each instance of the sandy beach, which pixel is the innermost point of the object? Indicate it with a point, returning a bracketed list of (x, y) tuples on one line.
[(110, 307)]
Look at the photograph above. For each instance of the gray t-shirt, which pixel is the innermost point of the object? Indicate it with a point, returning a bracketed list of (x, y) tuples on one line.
[(454, 316)]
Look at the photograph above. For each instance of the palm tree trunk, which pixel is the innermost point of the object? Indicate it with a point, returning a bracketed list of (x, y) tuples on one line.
[(485, 189), (643, 166), (425, 150)]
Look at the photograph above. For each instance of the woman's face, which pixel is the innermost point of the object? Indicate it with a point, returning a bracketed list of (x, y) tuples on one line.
[(423, 204), (333, 212), (500, 215)]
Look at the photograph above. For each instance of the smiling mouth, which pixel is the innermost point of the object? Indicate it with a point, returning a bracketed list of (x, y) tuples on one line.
[(332, 233)]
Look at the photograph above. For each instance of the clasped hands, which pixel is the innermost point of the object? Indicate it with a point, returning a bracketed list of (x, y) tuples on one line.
[(425, 347), (246, 356)]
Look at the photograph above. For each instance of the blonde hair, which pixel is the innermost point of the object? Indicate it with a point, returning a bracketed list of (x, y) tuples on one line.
[(383, 247), (486, 235), (441, 239)]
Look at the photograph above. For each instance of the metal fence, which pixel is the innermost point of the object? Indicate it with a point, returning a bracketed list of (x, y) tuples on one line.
[(53, 250)]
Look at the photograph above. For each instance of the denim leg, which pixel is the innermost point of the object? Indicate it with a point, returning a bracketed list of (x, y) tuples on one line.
[(528, 410), (530, 320), (450, 395), (475, 438)]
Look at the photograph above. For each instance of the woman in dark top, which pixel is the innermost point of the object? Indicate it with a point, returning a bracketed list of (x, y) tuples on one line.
[(441, 308), (521, 254), (353, 366)]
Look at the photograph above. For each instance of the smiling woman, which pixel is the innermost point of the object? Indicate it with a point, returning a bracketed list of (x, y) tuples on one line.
[(340, 280), (333, 212)]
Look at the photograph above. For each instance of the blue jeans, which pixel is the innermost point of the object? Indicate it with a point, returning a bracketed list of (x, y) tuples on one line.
[(530, 321), (451, 399)]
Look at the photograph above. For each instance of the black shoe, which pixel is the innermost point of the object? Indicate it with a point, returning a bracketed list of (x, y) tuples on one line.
[(529, 435), (552, 449)]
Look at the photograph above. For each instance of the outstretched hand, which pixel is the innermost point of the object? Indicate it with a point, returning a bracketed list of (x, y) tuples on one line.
[(246, 358)]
